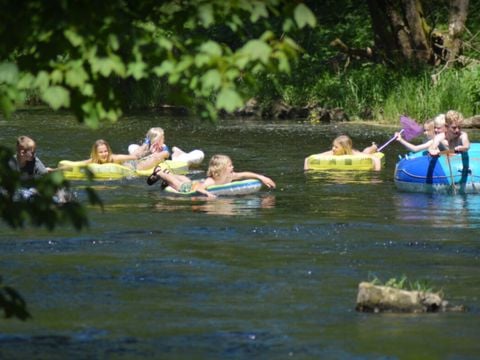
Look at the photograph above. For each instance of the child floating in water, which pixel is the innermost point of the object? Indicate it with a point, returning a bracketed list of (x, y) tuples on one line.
[(153, 151), (220, 172), (25, 161), (342, 145), (101, 153)]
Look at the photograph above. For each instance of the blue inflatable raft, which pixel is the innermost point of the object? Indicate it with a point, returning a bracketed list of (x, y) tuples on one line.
[(454, 173)]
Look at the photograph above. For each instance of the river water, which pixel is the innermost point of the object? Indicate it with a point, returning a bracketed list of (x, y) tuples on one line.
[(270, 275)]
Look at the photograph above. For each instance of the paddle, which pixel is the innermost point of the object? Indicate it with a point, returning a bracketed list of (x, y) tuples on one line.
[(410, 130), (449, 153), (452, 180), (389, 141)]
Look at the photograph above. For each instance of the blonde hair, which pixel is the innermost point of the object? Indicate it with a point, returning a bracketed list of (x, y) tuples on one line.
[(453, 117), (345, 143), (429, 128), (94, 153), (217, 165), (26, 143), (439, 120), (153, 134)]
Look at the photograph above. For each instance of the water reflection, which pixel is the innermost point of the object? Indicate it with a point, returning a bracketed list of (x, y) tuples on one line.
[(228, 206), (343, 177), (438, 210)]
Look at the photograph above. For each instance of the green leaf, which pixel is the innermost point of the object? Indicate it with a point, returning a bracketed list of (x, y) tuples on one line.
[(56, 76), (137, 70), (229, 100), (108, 65), (76, 77), (283, 63), (8, 73), (113, 42), (212, 48), (166, 67), (165, 43), (42, 80), (304, 16), (257, 50), (73, 37), (56, 97), (241, 60), (232, 74), (26, 81), (205, 13), (87, 90), (288, 25), (6, 105), (202, 59), (259, 10), (212, 79)]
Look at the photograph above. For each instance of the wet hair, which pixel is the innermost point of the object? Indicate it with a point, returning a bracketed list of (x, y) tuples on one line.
[(26, 143), (345, 143), (94, 153), (453, 117), (153, 134), (217, 165)]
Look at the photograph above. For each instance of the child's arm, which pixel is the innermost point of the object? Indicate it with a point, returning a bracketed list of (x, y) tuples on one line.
[(120, 158), (201, 187), (412, 147), (370, 149), (433, 149), (251, 175), (465, 143), (377, 163)]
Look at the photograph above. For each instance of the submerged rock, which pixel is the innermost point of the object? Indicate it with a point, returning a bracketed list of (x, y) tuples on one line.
[(375, 298)]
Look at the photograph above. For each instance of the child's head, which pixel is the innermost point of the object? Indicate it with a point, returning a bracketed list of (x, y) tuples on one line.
[(155, 135), (101, 152), (218, 165), (342, 145), (26, 148), (453, 117), (429, 128), (453, 122), (439, 123)]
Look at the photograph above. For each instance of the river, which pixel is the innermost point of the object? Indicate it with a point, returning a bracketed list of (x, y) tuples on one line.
[(270, 275)]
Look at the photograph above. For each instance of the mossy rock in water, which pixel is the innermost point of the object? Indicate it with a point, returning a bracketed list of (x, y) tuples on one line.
[(375, 298)]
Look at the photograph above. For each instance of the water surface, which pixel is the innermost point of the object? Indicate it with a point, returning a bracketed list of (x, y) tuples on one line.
[(270, 275)]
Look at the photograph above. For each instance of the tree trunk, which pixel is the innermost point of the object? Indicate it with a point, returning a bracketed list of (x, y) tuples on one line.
[(457, 18), (402, 35), (401, 31)]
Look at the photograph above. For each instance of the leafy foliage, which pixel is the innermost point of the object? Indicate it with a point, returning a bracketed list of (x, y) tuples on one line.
[(20, 204), (72, 63), (12, 303), (49, 50)]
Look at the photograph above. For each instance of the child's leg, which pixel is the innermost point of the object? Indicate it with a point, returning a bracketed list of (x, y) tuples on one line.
[(174, 180), (150, 161)]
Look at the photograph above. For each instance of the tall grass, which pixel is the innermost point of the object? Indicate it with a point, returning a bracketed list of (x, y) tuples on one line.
[(423, 98), (375, 92)]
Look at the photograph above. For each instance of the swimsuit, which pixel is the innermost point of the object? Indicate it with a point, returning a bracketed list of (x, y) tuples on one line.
[(186, 187)]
